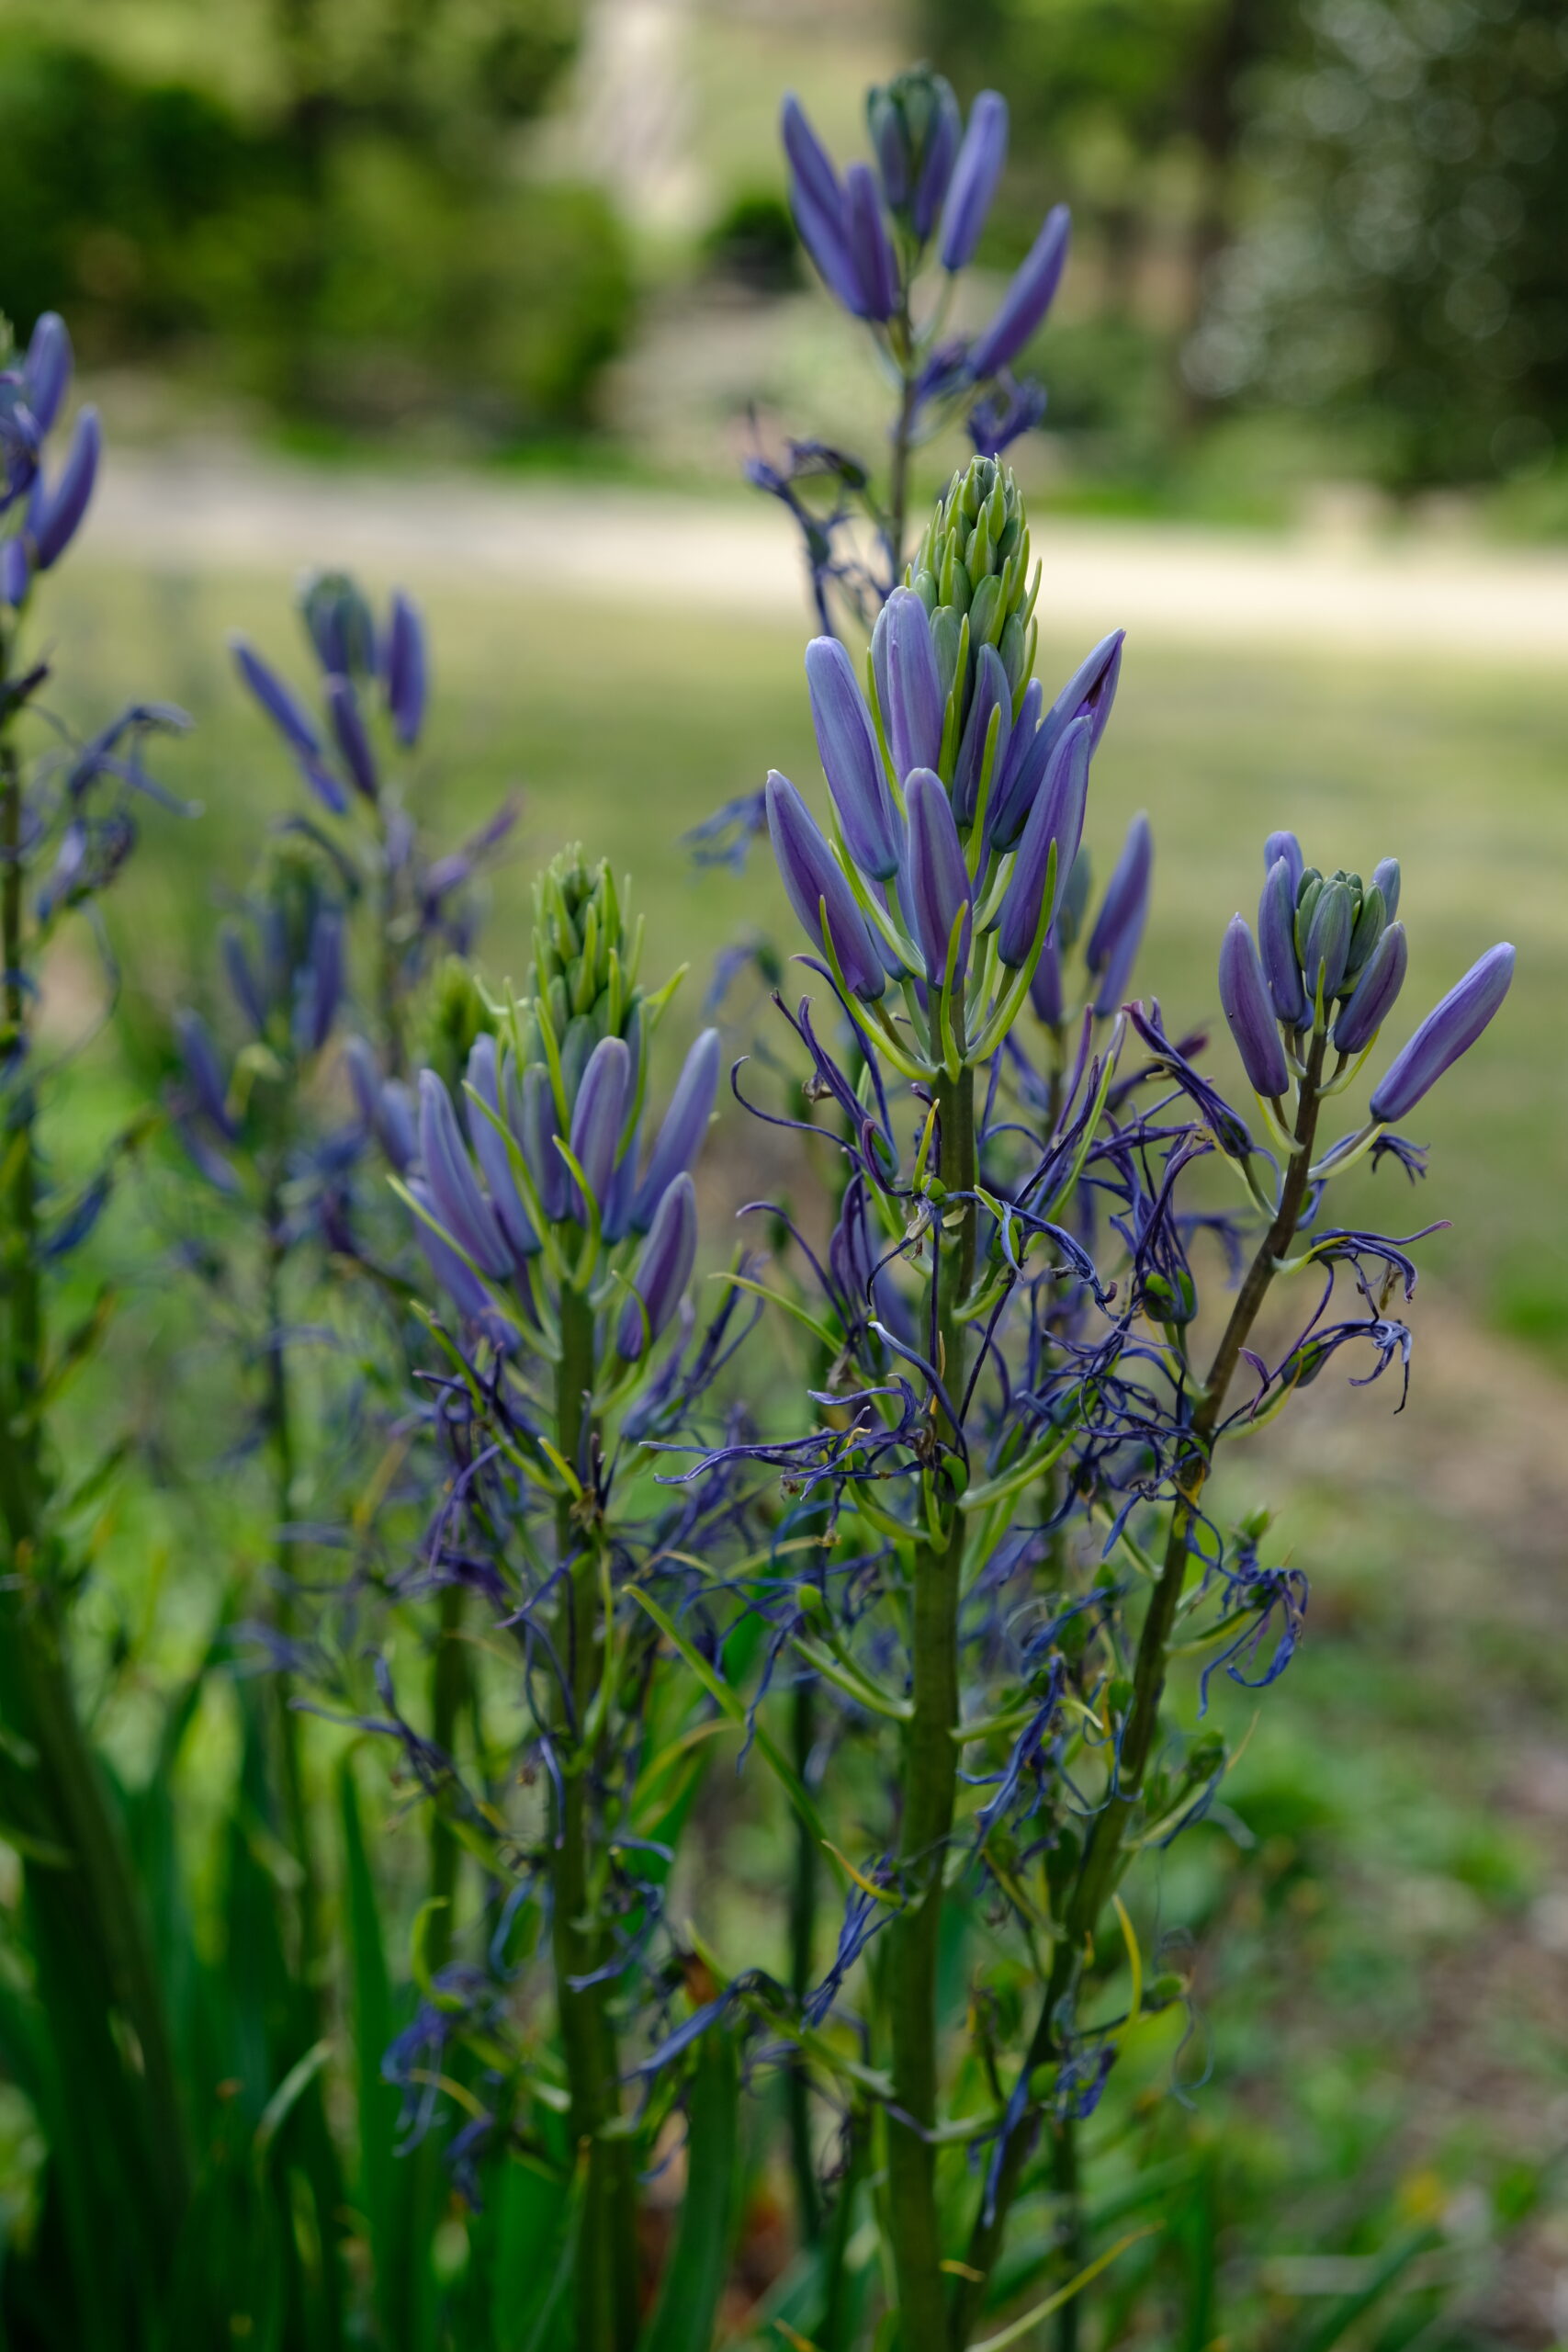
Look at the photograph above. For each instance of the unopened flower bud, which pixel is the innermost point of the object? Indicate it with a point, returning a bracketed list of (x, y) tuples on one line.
[(1449, 1030), (339, 625), (599, 1114), (1027, 299), (975, 177), (405, 669), (55, 516), (46, 372), (870, 248), (685, 1125), (491, 1149), (907, 683), (1277, 940), (1371, 1000), (1285, 845), (992, 700), (352, 741), (1119, 926), (1327, 946), (818, 890), (460, 1208), (851, 762), (937, 884), (1056, 821), (1385, 875), (662, 1270), (1248, 1012)]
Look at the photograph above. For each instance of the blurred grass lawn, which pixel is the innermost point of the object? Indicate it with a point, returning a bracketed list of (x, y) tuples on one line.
[(624, 727)]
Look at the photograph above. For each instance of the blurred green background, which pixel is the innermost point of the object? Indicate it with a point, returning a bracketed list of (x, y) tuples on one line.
[(404, 253)]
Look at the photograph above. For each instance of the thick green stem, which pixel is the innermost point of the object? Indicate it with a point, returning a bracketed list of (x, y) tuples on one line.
[(606, 2266), (931, 1758), (1070, 2228), (802, 1938), (1102, 1862)]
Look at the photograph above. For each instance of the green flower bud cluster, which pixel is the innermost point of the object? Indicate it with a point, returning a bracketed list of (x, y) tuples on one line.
[(1340, 920), (583, 985), (910, 119), (455, 1014), (971, 574)]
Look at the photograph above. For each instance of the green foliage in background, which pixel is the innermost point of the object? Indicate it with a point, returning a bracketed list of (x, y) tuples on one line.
[(1343, 213), (358, 241)]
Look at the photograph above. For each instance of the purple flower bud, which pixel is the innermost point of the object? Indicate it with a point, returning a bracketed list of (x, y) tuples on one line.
[(870, 249), (1056, 817), (1248, 1012), (1371, 1000), (1327, 948), (818, 203), (1447, 1033), (936, 880), (458, 1205), (352, 741), (282, 706), (491, 1151), (540, 1127), (406, 677), (1045, 986), (462, 1286), (1091, 691), (396, 1127), (599, 1114), (243, 986), (662, 1270), (975, 177), (680, 1138), (846, 741), (1276, 940), (15, 571), (808, 159), (338, 622), (56, 513), (319, 986), (205, 1072), (1285, 845), (1119, 926), (813, 880), (908, 684), (1027, 299), (936, 169), (46, 372), (1385, 877), (992, 692)]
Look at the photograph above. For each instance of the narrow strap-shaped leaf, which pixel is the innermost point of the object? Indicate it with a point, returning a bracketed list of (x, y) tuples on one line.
[(684, 2314)]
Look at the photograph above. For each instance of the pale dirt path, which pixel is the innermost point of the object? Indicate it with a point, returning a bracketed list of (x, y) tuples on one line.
[(200, 511)]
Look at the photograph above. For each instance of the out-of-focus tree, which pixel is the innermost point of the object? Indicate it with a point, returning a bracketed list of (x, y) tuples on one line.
[(1350, 209), (348, 231), (1405, 272)]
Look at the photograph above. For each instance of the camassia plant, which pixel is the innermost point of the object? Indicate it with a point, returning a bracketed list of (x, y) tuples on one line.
[(1004, 1486)]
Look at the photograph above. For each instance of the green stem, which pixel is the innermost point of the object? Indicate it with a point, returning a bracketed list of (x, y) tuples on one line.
[(1100, 1866), (287, 1725), (448, 1691), (1072, 2238), (802, 1938), (898, 484), (931, 1758), (606, 2266), (836, 2330)]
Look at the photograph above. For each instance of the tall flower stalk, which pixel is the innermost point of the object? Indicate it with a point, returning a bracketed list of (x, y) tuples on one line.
[(67, 823)]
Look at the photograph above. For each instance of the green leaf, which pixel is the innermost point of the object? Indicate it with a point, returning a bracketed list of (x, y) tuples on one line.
[(684, 2316)]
